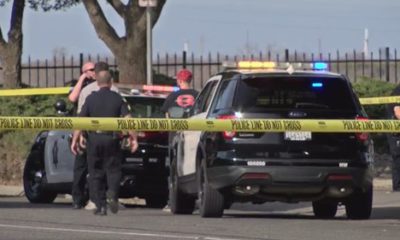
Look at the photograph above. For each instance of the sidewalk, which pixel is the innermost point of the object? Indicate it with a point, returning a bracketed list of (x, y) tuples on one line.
[(383, 184)]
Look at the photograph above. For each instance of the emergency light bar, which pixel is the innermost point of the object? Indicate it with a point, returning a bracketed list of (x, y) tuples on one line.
[(318, 66), (256, 64)]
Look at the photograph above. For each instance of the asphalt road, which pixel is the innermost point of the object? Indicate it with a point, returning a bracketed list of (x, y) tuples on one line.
[(22, 220)]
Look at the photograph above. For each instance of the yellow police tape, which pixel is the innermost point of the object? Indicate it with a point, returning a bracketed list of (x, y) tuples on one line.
[(34, 91), (161, 124), (380, 100), (65, 90)]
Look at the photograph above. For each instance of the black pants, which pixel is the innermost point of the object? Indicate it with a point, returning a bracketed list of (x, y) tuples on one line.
[(104, 160), (394, 144), (80, 181), (396, 172)]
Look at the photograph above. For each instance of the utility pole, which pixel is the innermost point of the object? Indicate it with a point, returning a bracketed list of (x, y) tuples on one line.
[(365, 42)]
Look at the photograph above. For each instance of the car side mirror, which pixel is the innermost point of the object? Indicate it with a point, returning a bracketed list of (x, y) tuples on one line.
[(60, 106)]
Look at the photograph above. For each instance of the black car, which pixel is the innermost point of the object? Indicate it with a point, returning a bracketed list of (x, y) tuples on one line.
[(219, 168), (49, 166)]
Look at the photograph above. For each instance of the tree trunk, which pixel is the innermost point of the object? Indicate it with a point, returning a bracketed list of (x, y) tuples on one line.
[(11, 51), (11, 59), (129, 50), (130, 59), (131, 68)]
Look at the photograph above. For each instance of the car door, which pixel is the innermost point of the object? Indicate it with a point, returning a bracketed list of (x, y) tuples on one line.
[(59, 160), (189, 145)]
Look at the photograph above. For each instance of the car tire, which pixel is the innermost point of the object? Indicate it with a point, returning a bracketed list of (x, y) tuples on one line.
[(359, 204), (324, 209), (156, 201), (34, 179), (211, 201), (180, 203)]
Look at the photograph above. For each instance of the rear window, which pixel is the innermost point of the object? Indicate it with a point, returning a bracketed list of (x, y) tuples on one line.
[(146, 107), (293, 92)]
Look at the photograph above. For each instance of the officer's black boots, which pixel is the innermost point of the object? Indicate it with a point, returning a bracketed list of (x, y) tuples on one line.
[(102, 211), (76, 206), (112, 203)]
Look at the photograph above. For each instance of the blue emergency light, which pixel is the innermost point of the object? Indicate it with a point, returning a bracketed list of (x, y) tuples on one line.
[(317, 85), (320, 66)]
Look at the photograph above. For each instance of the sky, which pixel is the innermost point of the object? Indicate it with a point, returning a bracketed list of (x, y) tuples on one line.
[(225, 26)]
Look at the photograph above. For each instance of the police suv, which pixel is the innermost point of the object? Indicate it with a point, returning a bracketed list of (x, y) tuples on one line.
[(220, 168), (49, 167)]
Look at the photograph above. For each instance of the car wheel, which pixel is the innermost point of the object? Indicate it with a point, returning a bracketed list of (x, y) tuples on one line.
[(156, 201), (359, 204), (324, 209), (211, 201), (34, 179), (180, 203)]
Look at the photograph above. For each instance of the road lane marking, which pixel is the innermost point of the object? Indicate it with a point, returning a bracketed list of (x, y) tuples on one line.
[(163, 236)]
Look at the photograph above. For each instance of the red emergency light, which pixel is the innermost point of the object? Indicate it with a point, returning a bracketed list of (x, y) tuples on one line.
[(160, 88)]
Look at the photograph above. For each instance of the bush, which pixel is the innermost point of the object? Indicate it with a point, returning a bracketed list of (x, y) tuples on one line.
[(368, 87), (15, 144)]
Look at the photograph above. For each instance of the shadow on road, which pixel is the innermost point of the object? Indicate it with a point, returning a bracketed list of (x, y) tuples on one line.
[(13, 204), (378, 213), (386, 213)]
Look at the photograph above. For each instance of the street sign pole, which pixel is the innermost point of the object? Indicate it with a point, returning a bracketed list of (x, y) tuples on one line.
[(149, 47), (148, 4)]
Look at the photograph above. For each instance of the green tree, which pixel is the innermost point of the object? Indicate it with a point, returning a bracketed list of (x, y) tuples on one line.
[(129, 49), (11, 48)]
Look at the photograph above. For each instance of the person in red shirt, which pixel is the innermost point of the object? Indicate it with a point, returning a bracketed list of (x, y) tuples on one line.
[(185, 96)]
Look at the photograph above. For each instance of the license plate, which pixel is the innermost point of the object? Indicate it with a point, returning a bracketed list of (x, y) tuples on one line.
[(298, 136), (153, 160), (135, 160)]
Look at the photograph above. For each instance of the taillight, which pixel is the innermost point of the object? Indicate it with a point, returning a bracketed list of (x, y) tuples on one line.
[(339, 177), (228, 135), (362, 136), (152, 135), (255, 176)]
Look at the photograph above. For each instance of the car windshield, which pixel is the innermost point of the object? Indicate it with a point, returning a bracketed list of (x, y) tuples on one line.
[(280, 93), (145, 107)]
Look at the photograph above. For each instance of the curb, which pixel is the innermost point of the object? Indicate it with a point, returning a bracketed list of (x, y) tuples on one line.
[(11, 191), (382, 184)]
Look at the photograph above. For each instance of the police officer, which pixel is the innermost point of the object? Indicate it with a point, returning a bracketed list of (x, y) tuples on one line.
[(394, 142), (80, 165), (83, 88), (103, 148)]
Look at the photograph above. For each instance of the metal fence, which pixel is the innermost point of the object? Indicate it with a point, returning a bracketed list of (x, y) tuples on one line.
[(56, 72)]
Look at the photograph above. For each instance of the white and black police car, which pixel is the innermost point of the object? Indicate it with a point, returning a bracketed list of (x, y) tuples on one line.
[(49, 166), (220, 168)]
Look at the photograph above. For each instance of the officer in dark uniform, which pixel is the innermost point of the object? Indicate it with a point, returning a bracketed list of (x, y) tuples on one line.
[(103, 148), (393, 111)]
